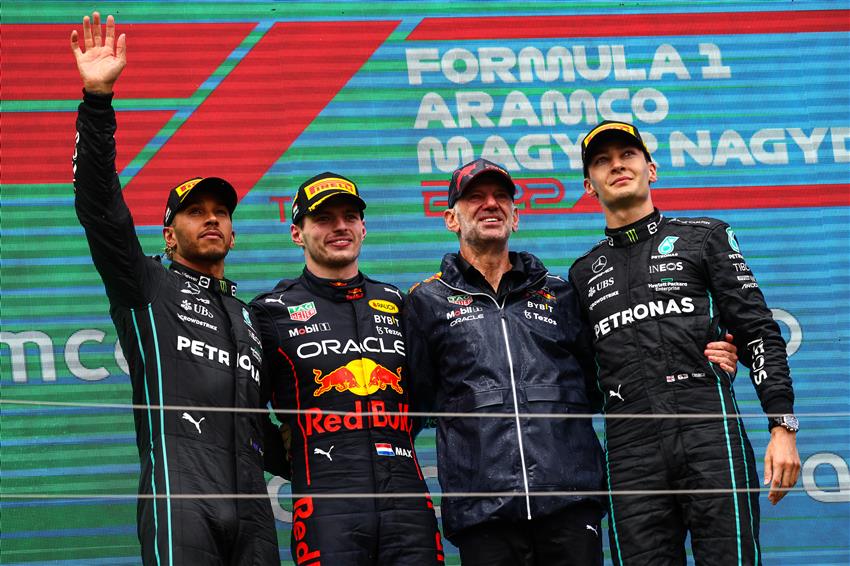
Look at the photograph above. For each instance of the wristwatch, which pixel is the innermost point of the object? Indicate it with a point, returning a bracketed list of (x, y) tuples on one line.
[(788, 422)]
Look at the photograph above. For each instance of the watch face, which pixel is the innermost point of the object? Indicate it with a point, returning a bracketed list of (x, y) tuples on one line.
[(790, 422)]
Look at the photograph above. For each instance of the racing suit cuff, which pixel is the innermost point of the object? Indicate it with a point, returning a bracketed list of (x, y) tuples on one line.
[(779, 406), (98, 101)]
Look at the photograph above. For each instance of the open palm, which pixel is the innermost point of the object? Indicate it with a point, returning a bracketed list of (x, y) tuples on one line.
[(103, 59)]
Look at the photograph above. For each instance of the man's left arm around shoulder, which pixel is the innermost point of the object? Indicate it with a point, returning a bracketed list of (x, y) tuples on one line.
[(744, 312)]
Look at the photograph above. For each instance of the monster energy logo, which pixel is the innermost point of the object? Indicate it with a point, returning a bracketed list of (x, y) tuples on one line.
[(632, 235), (223, 284)]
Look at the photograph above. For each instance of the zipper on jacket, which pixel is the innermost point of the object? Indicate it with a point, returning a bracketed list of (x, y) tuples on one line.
[(513, 380)]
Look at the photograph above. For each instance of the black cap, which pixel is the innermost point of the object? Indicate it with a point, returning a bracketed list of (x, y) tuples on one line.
[(610, 128), (463, 176), (179, 195), (316, 190)]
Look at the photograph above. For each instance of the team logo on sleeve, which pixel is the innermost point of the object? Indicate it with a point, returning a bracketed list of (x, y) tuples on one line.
[(599, 264), (246, 317), (733, 242), (302, 312)]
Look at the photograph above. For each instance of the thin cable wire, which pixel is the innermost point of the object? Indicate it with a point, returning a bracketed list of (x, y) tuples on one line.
[(408, 495), (382, 413)]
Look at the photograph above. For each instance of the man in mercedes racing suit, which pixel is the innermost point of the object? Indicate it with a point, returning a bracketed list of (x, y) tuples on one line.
[(188, 341), (336, 357), (654, 291)]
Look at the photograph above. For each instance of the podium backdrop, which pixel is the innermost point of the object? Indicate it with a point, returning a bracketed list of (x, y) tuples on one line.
[(745, 106)]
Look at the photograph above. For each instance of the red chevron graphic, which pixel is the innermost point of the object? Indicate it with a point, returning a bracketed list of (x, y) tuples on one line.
[(37, 64), (259, 110), (37, 146), (630, 25)]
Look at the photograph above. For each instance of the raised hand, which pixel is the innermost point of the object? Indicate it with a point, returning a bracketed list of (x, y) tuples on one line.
[(104, 59)]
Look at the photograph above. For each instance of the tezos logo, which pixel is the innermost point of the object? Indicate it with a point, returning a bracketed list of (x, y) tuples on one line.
[(733, 242), (666, 246), (599, 264), (383, 306)]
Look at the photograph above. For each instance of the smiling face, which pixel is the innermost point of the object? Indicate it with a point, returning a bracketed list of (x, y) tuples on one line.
[(619, 175), (201, 234), (484, 216), (331, 237)]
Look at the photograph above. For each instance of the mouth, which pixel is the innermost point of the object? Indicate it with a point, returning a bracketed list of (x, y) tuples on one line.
[(340, 242), (212, 235), (491, 219), (621, 180)]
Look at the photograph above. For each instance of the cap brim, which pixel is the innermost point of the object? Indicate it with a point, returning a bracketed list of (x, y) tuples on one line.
[(218, 186), (608, 135), (336, 196), (506, 180)]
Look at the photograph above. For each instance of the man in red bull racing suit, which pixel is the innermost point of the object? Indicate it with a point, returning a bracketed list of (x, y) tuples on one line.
[(336, 354), (655, 290), (188, 342)]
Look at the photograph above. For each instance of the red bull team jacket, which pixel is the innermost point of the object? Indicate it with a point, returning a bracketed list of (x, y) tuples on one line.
[(515, 353)]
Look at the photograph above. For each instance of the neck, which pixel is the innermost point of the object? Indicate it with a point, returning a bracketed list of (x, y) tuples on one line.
[(492, 261), (617, 218), (213, 268), (332, 272)]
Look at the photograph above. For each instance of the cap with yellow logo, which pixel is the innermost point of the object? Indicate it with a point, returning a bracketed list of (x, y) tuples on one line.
[(317, 190), (178, 197), (605, 131)]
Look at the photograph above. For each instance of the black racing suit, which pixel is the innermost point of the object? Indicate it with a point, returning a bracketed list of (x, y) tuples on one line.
[(188, 342), (335, 352), (656, 292), (518, 351)]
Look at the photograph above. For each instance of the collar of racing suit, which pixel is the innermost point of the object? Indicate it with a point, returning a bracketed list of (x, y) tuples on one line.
[(337, 290), (530, 269), (222, 286), (635, 232)]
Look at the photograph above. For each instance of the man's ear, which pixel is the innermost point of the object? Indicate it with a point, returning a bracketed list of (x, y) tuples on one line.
[(653, 172), (295, 234), (450, 218), (589, 190), (169, 237), (232, 238)]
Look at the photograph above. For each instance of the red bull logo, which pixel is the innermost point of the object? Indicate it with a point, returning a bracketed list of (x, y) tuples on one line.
[(319, 422), (360, 377)]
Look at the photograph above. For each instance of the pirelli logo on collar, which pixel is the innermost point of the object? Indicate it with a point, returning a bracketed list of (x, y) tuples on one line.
[(329, 183)]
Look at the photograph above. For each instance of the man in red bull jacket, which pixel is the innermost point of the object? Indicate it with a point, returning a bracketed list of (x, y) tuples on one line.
[(335, 351), (494, 332)]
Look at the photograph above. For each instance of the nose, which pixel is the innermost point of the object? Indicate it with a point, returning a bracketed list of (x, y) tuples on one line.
[(212, 217), (490, 200), (616, 162)]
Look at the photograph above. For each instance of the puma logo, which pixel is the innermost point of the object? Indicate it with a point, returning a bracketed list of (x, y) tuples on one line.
[(591, 528), (617, 394), (188, 417), (278, 300), (393, 291), (323, 453)]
